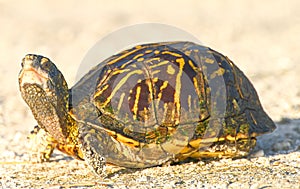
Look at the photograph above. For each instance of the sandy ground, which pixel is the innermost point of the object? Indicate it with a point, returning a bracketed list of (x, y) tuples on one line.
[(261, 37)]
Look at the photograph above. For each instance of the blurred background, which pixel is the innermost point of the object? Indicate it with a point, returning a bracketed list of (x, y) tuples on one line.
[(261, 37)]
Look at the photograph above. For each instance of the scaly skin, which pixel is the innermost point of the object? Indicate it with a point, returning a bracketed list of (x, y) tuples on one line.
[(45, 91)]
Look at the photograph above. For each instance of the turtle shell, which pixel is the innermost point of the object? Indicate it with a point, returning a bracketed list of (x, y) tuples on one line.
[(185, 99)]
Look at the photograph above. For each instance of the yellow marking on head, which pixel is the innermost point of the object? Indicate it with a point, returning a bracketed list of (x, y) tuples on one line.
[(136, 102), (120, 84), (29, 56), (172, 53), (209, 60), (170, 70), (44, 60), (138, 46)]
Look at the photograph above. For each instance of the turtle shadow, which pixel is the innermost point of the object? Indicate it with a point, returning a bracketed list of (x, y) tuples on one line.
[(284, 139), (58, 156), (123, 171)]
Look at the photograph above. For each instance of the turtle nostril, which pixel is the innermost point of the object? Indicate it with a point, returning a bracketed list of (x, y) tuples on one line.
[(30, 57), (31, 60)]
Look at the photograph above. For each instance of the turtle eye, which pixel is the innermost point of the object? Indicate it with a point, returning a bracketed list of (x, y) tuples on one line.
[(46, 64)]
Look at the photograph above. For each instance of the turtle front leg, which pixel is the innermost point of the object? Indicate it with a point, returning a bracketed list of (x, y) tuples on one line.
[(41, 144), (95, 160), (100, 146)]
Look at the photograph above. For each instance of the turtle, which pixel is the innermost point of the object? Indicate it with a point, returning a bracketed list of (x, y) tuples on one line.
[(149, 105)]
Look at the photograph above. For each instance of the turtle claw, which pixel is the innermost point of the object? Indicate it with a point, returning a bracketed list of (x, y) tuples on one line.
[(41, 145), (94, 160)]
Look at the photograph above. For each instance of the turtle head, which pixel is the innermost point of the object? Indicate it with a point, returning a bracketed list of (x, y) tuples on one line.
[(45, 90)]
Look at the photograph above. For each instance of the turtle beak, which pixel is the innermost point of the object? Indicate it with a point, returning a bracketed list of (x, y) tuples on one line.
[(31, 72), (31, 61)]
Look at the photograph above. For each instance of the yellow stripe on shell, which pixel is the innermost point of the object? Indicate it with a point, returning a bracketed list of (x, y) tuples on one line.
[(156, 72), (125, 55), (120, 83), (115, 72), (138, 55), (188, 53), (125, 64), (162, 87), (120, 102), (136, 102), (218, 72), (170, 70), (99, 92), (209, 60), (181, 63), (159, 64), (195, 68), (254, 120), (189, 102), (140, 59), (172, 53)]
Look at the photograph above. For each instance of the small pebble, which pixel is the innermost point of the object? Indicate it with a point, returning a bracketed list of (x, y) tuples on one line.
[(259, 153), (282, 146), (276, 163)]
